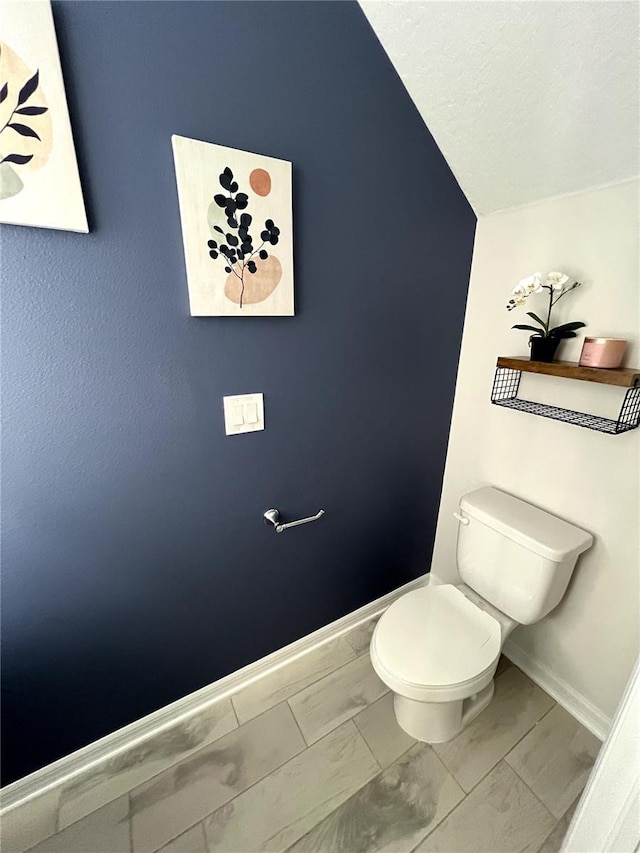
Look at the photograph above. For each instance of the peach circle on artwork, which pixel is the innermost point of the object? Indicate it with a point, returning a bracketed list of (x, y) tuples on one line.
[(257, 286), (260, 182)]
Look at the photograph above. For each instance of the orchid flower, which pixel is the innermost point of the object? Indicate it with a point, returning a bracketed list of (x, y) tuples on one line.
[(531, 284), (555, 283), (556, 280)]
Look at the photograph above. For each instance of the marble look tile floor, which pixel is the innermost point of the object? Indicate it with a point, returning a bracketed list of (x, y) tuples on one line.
[(311, 760)]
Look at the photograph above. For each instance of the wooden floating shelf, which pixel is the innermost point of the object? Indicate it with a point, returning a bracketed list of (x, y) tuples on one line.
[(506, 384), (624, 377)]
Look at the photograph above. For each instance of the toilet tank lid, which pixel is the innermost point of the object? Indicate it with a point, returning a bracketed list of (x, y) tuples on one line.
[(533, 528)]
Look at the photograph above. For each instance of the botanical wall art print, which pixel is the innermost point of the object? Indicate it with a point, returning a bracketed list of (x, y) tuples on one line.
[(39, 181), (237, 230)]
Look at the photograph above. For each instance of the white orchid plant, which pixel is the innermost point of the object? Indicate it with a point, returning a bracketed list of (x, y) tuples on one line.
[(557, 284)]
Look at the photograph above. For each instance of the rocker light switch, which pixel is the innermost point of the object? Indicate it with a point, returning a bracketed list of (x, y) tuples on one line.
[(237, 416), (251, 413), (244, 413)]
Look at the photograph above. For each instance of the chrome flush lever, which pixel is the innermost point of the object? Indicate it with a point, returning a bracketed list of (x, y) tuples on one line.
[(272, 516)]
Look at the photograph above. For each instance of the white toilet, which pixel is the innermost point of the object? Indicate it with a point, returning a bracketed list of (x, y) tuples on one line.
[(438, 647)]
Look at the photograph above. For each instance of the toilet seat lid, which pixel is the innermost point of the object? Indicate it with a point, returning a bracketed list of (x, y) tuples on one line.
[(435, 636)]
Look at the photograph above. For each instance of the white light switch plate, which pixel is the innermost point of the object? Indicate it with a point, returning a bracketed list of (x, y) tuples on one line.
[(244, 413)]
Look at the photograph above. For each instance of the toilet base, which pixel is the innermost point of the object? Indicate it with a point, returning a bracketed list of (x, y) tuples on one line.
[(436, 722)]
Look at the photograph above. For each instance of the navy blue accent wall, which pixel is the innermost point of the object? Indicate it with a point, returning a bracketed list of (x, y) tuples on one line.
[(136, 564)]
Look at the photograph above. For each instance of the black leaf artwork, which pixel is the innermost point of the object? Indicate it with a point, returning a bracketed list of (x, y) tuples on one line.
[(240, 256), (226, 179), (29, 88), (18, 127), (31, 111), (18, 159), (23, 130)]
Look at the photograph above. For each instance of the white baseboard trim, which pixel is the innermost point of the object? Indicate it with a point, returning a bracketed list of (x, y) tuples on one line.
[(78, 763), (575, 703)]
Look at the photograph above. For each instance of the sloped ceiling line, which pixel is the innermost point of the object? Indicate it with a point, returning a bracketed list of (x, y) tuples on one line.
[(527, 100)]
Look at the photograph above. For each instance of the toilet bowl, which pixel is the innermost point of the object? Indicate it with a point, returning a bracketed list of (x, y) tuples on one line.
[(438, 647), (438, 652)]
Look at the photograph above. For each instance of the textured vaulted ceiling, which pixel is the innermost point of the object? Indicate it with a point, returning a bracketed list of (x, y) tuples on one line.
[(526, 100)]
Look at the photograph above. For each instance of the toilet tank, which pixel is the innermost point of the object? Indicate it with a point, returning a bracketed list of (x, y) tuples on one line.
[(516, 556)]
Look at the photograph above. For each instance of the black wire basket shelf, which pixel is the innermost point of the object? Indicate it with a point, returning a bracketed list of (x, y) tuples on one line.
[(506, 384)]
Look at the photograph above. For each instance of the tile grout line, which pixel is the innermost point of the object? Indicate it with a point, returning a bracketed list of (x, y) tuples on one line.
[(366, 743), (447, 814), (355, 657), (536, 797), (451, 811), (467, 795), (195, 754), (192, 755), (357, 791), (426, 746), (537, 723), (522, 779), (258, 781), (56, 822), (203, 820), (295, 719), (239, 794), (235, 714), (128, 791), (204, 836), (503, 757), (184, 832), (129, 821), (310, 684), (333, 672), (356, 711), (339, 806)]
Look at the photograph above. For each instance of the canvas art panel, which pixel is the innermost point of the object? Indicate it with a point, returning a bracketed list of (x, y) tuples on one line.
[(39, 180), (237, 230)]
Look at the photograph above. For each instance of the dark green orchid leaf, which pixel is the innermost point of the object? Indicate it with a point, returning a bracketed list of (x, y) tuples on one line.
[(537, 319), (570, 327), (528, 328)]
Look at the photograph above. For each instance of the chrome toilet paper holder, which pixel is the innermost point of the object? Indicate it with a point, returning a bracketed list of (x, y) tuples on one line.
[(272, 516)]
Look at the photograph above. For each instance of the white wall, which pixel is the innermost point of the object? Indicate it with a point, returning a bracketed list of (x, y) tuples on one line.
[(589, 643)]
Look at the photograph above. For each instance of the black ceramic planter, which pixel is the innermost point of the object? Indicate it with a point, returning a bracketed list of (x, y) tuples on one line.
[(543, 349)]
